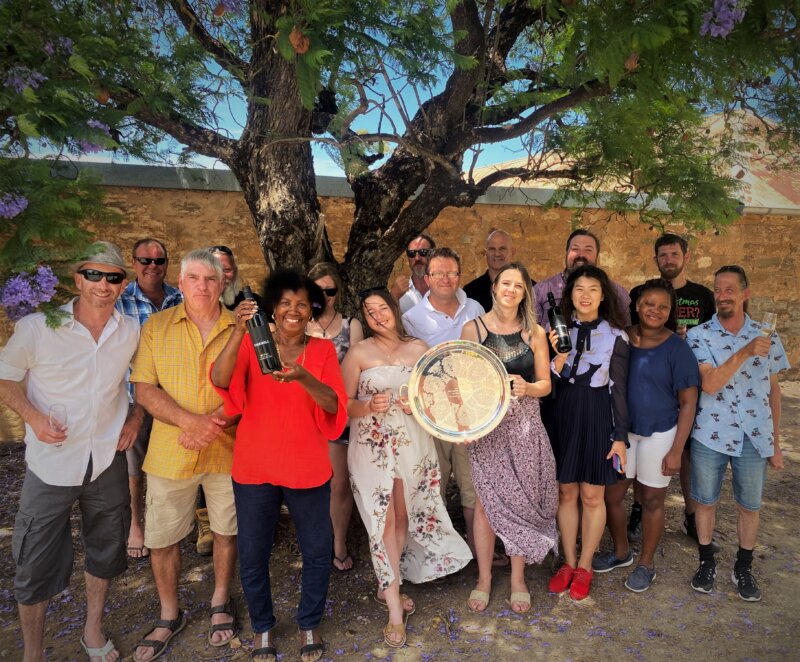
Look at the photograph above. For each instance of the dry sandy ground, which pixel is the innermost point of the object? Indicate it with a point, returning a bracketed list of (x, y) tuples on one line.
[(667, 622)]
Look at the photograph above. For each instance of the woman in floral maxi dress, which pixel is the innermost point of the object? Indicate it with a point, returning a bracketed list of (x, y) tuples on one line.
[(393, 466)]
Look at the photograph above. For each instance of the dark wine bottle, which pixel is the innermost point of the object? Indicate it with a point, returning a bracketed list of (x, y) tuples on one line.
[(558, 324), (263, 342)]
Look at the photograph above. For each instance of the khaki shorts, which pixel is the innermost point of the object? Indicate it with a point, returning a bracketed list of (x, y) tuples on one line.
[(455, 458), (170, 508)]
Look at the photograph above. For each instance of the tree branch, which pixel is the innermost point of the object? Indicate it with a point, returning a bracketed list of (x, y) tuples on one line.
[(238, 68), (201, 140), (523, 174), (498, 134)]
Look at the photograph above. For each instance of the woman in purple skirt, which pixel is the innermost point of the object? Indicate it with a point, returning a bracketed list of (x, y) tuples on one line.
[(513, 468)]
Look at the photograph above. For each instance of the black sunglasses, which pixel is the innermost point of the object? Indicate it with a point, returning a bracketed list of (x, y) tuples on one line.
[(732, 268), (423, 252), (151, 260), (363, 294), (330, 291), (95, 276), (220, 249)]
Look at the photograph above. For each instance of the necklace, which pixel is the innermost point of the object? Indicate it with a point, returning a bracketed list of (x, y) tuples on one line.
[(302, 359), (328, 325), (388, 355)]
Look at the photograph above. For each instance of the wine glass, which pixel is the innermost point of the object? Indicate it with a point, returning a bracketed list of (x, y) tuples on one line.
[(768, 324), (57, 418)]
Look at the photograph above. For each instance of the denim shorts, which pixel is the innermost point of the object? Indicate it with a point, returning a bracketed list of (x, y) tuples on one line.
[(708, 468)]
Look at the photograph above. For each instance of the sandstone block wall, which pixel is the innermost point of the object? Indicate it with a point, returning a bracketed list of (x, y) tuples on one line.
[(185, 219)]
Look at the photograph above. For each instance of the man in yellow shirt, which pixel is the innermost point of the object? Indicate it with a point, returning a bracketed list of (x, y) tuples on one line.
[(191, 444)]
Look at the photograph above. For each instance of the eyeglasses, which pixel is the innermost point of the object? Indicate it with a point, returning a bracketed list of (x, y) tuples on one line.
[(363, 294), (423, 252), (732, 268), (438, 275), (330, 291), (95, 276), (220, 249), (151, 260)]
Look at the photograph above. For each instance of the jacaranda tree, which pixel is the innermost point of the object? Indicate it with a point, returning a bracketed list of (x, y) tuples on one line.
[(406, 93)]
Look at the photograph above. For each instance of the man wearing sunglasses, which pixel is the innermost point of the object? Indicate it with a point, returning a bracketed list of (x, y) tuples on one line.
[(146, 295), (78, 367), (409, 293)]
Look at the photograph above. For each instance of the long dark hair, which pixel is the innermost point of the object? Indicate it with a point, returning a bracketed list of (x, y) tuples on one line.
[(665, 286), (292, 280), (383, 293), (610, 309)]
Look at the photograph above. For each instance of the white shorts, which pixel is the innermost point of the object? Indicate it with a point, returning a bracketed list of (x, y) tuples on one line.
[(645, 456)]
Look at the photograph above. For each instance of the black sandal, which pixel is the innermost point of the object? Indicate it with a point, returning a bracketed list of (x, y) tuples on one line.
[(310, 647), (227, 608), (266, 650), (159, 647)]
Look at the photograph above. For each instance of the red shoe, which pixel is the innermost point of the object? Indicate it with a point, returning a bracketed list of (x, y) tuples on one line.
[(560, 581), (581, 584)]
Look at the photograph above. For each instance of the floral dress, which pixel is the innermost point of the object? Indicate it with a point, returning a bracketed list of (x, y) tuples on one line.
[(393, 445)]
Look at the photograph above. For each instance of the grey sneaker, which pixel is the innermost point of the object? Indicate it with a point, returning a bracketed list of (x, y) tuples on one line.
[(640, 579), (608, 561), (746, 585), (703, 579)]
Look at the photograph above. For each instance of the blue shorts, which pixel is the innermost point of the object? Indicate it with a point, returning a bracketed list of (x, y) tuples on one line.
[(708, 468)]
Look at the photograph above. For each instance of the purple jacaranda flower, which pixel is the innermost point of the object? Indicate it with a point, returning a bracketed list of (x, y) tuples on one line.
[(66, 43), (23, 292), (19, 78), (11, 205), (97, 124), (49, 48), (722, 18), (88, 147)]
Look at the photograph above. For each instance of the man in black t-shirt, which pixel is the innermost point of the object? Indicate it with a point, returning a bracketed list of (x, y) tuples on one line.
[(499, 251), (695, 306)]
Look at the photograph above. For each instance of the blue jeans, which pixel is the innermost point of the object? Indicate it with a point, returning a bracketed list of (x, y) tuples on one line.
[(257, 510), (708, 468)]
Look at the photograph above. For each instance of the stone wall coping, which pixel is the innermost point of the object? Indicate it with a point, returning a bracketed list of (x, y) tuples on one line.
[(206, 179)]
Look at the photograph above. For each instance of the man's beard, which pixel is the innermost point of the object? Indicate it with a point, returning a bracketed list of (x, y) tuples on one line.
[(578, 262), (231, 290), (418, 270), (671, 272)]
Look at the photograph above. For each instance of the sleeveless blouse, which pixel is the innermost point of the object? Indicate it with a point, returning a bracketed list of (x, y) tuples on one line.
[(512, 350)]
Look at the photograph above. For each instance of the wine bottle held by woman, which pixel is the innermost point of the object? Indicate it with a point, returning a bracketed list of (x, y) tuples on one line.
[(559, 325), (263, 342)]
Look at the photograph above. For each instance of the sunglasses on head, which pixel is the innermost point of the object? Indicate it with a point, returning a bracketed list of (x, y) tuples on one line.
[(330, 291), (95, 276), (423, 252), (220, 249), (151, 260)]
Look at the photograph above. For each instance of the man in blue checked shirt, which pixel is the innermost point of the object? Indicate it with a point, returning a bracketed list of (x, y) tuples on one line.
[(738, 422), (141, 298)]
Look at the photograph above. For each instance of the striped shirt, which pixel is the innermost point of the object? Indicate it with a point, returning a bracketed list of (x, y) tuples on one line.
[(173, 357)]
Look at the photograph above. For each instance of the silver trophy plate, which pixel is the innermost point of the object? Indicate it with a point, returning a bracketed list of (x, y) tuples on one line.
[(459, 391)]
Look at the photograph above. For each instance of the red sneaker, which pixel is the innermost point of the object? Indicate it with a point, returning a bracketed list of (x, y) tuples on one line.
[(581, 584), (560, 581)]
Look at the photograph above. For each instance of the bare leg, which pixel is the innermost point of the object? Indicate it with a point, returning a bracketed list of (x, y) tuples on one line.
[(652, 522), (469, 521), (166, 564), (686, 476), (518, 584), (396, 521), (31, 617), (568, 518), (96, 594), (484, 552), (705, 519), (747, 527), (224, 565), (341, 504), (615, 515), (136, 535), (594, 521)]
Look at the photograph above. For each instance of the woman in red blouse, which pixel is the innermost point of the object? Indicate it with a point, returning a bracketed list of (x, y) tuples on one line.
[(281, 451)]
